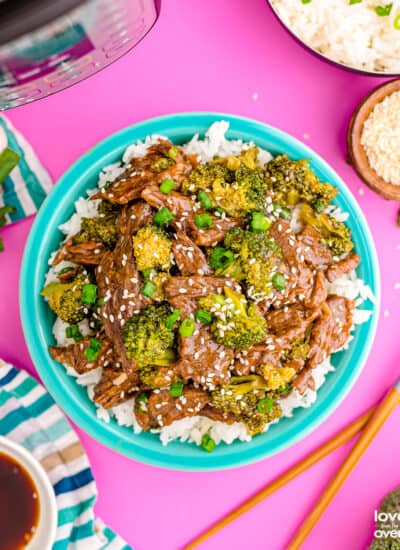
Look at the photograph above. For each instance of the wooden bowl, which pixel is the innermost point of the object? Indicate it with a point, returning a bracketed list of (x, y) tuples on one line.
[(357, 155)]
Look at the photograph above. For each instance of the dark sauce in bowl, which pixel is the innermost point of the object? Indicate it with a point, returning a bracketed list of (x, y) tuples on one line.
[(19, 505)]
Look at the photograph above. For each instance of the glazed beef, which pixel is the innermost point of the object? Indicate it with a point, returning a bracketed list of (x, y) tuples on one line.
[(163, 409), (214, 234), (319, 292), (197, 286), (118, 281), (247, 361), (315, 254), (141, 173), (189, 258), (290, 322), (88, 254), (74, 355), (115, 387), (342, 267), (202, 359), (218, 414), (180, 205)]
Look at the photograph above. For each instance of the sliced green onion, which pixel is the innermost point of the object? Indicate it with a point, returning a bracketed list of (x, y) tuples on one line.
[(163, 216), (176, 389), (89, 293), (207, 443), (283, 211), (73, 331), (8, 160), (142, 399), (203, 316), (318, 206), (220, 210), (221, 257), (172, 319), (187, 327), (396, 22), (283, 390), (167, 185), (204, 200), (279, 281), (204, 221), (100, 302), (383, 11), (92, 352), (355, 2), (265, 405), (259, 222), (149, 289), (149, 273)]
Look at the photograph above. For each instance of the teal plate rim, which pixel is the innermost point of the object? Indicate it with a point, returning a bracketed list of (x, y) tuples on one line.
[(37, 321)]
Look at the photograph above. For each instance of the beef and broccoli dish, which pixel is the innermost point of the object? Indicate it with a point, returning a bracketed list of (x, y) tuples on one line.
[(202, 288)]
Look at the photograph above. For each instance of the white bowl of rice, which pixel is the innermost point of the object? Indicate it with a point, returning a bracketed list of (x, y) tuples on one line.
[(360, 35)]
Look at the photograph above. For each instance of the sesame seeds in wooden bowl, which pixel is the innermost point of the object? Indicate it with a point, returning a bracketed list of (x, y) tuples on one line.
[(373, 140)]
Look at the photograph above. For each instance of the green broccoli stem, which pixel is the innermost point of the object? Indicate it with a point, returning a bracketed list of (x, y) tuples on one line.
[(8, 160)]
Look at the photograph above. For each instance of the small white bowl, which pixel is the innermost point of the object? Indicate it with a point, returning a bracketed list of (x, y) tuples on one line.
[(46, 528)]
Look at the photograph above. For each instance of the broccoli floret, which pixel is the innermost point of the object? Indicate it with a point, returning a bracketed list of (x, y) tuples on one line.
[(101, 228), (299, 348), (390, 504), (293, 181), (157, 377), (152, 248), (236, 324), (65, 299), (276, 377), (257, 259), (147, 339), (334, 234), (234, 184), (246, 397), (251, 245)]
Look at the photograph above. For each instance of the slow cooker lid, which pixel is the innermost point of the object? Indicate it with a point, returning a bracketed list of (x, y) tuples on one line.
[(19, 17)]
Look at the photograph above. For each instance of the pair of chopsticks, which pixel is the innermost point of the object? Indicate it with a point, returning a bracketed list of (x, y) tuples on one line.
[(369, 423)]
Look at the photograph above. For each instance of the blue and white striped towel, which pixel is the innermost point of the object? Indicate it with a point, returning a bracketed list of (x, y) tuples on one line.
[(29, 416), (26, 187)]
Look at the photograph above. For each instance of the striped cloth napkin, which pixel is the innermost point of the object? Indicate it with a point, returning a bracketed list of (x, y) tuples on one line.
[(29, 416), (26, 187)]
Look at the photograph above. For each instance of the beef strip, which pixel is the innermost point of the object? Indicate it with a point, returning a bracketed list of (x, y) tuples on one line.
[(315, 254), (319, 292), (214, 234), (300, 280), (346, 265), (118, 281), (73, 355), (218, 414), (189, 258), (180, 205), (329, 333), (290, 322), (202, 359), (115, 387), (68, 275), (197, 286), (163, 409), (139, 174), (247, 361), (187, 306), (89, 253)]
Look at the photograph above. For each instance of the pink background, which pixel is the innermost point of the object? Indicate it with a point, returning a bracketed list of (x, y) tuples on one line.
[(229, 56)]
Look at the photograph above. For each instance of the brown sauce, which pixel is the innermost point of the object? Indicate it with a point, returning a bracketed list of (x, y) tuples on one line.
[(19, 505)]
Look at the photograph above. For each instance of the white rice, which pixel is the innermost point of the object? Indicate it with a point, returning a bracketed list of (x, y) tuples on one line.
[(192, 429), (351, 34)]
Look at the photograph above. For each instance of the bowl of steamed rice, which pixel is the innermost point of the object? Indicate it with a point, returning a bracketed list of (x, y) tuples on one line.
[(360, 35), (199, 291)]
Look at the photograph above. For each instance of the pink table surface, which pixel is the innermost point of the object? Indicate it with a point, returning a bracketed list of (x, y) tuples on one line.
[(229, 56)]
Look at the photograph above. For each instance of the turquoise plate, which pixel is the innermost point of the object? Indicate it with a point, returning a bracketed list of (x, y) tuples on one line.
[(37, 319)]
